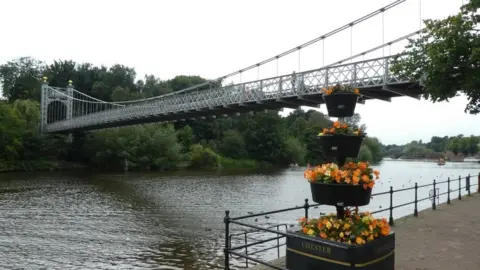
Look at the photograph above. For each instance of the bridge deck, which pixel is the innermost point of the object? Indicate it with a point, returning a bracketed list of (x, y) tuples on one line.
[(447, 238)]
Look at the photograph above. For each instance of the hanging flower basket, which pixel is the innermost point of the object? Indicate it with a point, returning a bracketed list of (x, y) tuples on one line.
[(349, 185), (340, 100), (340, 194), (341, 140)]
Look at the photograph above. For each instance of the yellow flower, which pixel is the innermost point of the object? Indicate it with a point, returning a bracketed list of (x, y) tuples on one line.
[(328, 225), (311, 232)]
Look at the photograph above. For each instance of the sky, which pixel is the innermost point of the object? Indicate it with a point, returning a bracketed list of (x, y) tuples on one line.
[(212, 38)]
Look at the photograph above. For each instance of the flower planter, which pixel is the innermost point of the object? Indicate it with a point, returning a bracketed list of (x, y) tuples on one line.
[(340, 194), (341, 104), (341, 145), (309, 253)]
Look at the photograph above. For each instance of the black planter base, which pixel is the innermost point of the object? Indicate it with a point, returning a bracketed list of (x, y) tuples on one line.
[(312, 253)]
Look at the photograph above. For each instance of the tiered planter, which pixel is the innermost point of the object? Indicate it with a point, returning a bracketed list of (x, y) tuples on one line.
[(307, 252)]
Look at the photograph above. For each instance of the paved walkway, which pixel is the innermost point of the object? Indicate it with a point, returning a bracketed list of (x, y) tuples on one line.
[(445, 239)]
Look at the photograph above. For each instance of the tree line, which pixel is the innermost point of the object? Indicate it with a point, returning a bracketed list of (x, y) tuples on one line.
[(438, 147), (245, 141)]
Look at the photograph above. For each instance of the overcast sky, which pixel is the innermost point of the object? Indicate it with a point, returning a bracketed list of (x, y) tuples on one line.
[(212, 38)]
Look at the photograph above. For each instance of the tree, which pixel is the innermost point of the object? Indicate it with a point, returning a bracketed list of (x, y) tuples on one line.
[(265, 138), (233, 145), (353, 121), (21, 78), (375, 148), (446, 58), (186, 137)]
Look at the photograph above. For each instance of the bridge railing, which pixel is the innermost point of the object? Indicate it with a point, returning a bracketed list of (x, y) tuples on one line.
[(364, 74), (454, 188)]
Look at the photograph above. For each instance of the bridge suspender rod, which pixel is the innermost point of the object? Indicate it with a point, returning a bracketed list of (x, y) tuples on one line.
[(331, 33), (375, 48)]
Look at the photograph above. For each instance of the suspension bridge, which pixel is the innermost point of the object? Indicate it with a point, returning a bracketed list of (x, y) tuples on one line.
[(66, 110)]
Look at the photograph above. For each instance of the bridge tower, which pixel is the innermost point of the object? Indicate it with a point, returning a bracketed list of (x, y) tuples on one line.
[(59, 96)]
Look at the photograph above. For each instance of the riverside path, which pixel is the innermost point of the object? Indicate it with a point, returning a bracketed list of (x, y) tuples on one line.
[(444, 239)]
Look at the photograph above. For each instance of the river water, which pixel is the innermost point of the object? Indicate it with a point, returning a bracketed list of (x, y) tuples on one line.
[(164, 221)]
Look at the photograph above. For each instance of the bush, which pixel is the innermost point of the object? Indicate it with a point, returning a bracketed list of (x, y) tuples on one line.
[(203, 158)]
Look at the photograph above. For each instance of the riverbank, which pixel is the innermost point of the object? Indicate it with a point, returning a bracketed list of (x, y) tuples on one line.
[(39, 166), (436, 239), (59, 165)]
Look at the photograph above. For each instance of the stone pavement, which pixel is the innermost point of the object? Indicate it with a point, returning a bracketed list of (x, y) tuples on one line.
[(444, 239)]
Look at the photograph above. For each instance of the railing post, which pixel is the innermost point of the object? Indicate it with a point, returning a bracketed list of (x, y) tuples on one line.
[(434, 204), (278, 242), (385, 77), (448, 192), (326, 77), (459, 188), (227, 245), (391, 207), (246, 251), (280, 87), (354, 77), (415, 211), (478, 183), (468, 185), (306, 206)]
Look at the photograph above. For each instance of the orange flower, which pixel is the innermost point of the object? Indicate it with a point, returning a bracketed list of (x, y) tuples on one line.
[(351, 173), (359, 240), (355, 180)]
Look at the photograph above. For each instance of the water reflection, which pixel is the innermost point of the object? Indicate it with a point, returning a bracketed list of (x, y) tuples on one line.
[(160, 221)]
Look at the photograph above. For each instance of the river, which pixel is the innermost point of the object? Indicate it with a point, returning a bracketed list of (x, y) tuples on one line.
[(162, 221)]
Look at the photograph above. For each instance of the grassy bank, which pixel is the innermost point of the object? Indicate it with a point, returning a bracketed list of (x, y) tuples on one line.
[(58, 165), (38, 165)]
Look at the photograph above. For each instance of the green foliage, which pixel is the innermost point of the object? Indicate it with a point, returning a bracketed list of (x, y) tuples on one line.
[(233, 145), (202, 157), (446, 57), (152, 146), (20, 78), (229, 163), (375, 148), (22, 147), (295, 150), (185, 137), (265, 138), (365, 154), (436, 148)]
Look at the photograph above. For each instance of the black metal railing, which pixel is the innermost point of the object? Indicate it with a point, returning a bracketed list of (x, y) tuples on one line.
[(235, 252)]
